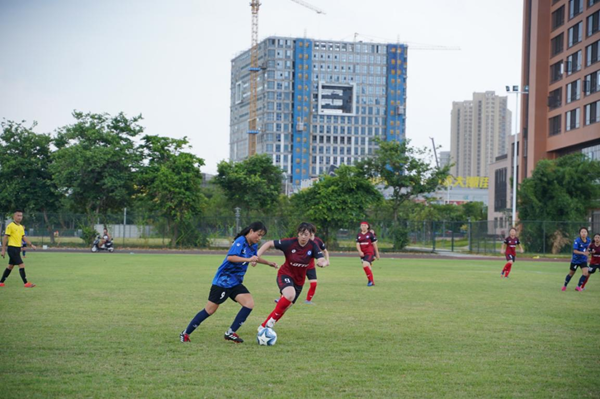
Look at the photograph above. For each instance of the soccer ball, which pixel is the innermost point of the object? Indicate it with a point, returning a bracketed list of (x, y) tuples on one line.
[(267, 337)]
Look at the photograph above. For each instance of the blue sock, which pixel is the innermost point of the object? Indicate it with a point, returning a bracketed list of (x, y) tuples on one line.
[(567, 279), (581, 280), (240, 319), (196, 321)]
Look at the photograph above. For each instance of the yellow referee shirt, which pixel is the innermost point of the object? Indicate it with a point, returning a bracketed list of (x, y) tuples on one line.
[(15, 233)]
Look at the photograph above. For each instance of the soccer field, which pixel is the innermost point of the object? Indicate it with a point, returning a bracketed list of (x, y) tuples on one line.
[(107, 326)]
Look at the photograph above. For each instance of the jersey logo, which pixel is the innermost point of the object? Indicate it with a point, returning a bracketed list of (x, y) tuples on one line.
[(309, 253), (293, 251)]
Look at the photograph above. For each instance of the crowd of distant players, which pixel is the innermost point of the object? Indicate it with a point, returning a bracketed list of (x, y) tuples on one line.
[(301, 252)]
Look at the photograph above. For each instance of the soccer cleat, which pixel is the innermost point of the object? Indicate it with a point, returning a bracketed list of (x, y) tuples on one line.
[(370, 284), (564, 288), (233, 337), (1, 284), (29, 285), (307, 302), (578, 289), (183, 337), (502, 273)]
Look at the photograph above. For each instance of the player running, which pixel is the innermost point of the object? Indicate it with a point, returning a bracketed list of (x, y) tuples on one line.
[(366, 244), (594, 253), (311, 272), (579, 258), (298, 253), (509, 248), (228, 282)]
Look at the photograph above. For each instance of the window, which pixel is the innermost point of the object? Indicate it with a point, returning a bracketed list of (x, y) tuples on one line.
[(554, 125), (556, 72), (575, 34), (592, 113), (555, 98), (575, 8), (591, 83), (593, 23), (573, 91), (592, 53), (572, 119), (557, 44), (558, 17), (574, 62), (592, 2)]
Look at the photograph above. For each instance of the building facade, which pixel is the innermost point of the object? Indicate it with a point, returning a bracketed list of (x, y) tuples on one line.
[(321, 104), (561, 66), (479, 130)]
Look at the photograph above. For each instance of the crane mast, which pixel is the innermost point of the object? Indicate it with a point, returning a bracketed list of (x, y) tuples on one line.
[(254, 69)]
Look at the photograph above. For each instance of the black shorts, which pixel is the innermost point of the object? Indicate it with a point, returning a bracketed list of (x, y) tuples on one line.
[(510, 257), (592, 268), (368, 258), (14, 256), (219, 295), (286, 281), (574, 266), (311, 274)]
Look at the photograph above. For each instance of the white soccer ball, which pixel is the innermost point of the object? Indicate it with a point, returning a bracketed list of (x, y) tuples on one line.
[(266, 337)]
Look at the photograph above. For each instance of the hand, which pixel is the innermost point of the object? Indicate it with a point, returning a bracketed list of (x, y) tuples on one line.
[(361, 254), (3, 252), (322, 262), (252, 264), (274, 265), (33, 246), (253, 259), (377, 257)]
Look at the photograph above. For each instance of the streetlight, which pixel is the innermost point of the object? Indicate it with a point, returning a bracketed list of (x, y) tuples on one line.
[(515, 90)]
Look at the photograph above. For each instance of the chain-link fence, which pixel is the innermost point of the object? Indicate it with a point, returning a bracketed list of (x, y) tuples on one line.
[(138, 230)]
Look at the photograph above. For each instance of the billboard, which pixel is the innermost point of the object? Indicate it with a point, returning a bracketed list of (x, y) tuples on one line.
[(336, 99)]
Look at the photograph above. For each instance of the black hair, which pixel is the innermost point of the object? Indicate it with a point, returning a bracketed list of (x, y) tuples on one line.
[(512, 228), (305, 226), (314, 228), (584, 228), (254, 226), (597, 234)]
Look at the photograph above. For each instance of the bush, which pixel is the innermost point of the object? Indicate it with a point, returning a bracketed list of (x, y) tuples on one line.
[(88, 234), (399, 235)]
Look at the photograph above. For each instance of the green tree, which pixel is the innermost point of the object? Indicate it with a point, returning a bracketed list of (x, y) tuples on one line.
[(170, 184), (252, 184), (27, 183), (559, 191), (336, 201), (95, 162), (403, 169)]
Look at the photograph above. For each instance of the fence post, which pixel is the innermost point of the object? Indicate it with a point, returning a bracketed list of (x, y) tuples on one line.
[(469, 236), (544, 237), (433, 234), (452, 240)]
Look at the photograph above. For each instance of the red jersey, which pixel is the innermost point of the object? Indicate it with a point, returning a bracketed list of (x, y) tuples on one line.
[(595, 254), (366, 242), (297, 258), (321, 246), (511, 245)]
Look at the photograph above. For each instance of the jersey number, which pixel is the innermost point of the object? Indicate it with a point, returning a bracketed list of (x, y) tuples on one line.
[(287, 280), (222, 295)]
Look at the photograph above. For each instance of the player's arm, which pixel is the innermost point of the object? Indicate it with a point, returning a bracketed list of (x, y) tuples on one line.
[(376, 250), (266, 262), (503, 248), (265, 247), (322, 262), (29, 242), (326, 253), (241, 259), (521, 248), (359, 250), (4, 241)]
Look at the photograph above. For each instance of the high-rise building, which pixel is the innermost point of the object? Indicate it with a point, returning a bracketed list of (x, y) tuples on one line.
[(320, 104), (561, 66), (478, 133), (444, 158)]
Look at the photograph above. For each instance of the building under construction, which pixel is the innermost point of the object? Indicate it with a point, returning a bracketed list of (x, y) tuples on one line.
[(316, 104)]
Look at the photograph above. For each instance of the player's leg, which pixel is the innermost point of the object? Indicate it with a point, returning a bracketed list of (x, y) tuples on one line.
[(6, 274), (311, 274), (366, 264), (572, 269), (509, 266), (244, 298), (584, 276), (591, 270), (289, 294), (217, 296)]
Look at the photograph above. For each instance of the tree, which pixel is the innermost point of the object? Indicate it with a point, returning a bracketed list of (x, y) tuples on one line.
[(336, 201), (25, 159), (252, 184), (401, 168), (170, 184), (559, 191), (95, 162)]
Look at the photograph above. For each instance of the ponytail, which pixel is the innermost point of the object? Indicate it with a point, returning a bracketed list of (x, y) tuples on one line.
[(255, 226)]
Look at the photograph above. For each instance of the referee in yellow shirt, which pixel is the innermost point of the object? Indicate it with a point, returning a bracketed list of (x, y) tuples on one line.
[(14, 234)]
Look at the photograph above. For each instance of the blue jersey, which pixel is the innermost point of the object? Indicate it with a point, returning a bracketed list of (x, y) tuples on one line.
[(231, 274), (582, 246)]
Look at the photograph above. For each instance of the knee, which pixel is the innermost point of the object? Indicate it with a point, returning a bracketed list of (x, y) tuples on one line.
[(249, 304), (10, 267)]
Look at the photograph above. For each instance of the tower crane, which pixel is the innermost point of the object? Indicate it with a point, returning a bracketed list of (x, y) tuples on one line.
[(254, 69), (309, 6)]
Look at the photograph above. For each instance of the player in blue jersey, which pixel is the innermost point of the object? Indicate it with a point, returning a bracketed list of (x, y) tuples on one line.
[(579, 258), (228, 282)]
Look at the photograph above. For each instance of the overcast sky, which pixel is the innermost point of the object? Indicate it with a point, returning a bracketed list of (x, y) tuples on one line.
[(170, 60)]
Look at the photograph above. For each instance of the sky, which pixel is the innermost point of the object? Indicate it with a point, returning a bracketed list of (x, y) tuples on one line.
[(170, 60)]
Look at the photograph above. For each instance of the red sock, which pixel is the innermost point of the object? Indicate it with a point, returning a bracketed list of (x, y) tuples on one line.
[(311, 290), (508, 269), (585, 282), (279, 310), (369, 273)]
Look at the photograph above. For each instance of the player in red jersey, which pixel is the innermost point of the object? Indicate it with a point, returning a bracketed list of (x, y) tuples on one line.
[(594, 254), (509, 248), (366, 244), (298, 253), (311, 273)]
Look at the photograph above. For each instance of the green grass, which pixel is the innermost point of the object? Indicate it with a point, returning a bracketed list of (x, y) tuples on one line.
[(107, 326)]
